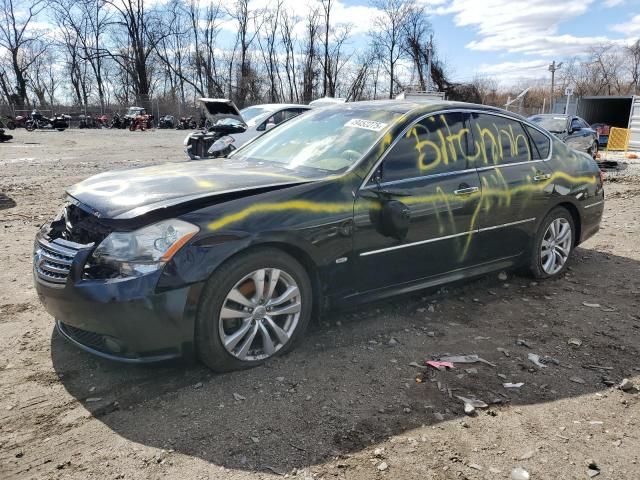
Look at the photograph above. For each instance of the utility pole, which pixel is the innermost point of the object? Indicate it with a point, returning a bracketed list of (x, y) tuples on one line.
[(552, 68), (429, 54)]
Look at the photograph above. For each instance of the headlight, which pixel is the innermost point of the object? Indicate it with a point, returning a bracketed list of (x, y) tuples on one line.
[(221, 144), (144, 250)]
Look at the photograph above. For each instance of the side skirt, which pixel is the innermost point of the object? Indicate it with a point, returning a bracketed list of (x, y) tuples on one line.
[(424, 283)]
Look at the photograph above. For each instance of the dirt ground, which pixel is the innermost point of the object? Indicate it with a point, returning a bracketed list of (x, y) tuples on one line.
[(349, 402)]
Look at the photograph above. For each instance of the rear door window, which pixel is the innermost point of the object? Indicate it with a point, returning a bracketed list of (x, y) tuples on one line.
[(499, 140)]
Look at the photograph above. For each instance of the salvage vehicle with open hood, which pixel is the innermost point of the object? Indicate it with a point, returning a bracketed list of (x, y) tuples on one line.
[(228, 129), (229, 258)]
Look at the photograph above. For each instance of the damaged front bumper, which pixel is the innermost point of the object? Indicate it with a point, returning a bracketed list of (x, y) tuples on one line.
[(125, 319)]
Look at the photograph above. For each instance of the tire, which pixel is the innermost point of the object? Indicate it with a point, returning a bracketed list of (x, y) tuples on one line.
[(11, 125), (30, 126), (234, 277), (542, 266)]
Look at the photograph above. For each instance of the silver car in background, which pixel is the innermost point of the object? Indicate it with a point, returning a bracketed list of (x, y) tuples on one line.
[(230, 128)]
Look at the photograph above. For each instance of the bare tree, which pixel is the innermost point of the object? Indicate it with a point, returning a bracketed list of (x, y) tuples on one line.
[(20, 41), (632, 56), (387, 35), (268, 48), (287, 27), (416, 30), (310, 74)]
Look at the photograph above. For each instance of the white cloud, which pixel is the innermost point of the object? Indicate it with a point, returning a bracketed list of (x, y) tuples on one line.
[(631, 28), (529, 27)]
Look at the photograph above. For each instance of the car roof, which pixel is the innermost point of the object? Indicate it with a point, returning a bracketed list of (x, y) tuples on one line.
[(276, 106), (416, 107)]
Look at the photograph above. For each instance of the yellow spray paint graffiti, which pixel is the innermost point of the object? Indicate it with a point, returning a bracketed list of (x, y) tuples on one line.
[(437, 144)]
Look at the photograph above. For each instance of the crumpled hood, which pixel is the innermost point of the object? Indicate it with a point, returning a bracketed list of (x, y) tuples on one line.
[(124, 194)]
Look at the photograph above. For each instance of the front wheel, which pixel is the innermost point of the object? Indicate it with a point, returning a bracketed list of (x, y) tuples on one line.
[(30, 126), (553, 244), (254, 307)]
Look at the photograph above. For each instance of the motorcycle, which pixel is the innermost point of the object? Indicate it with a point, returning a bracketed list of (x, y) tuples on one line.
[(186, 123), (8, 122), (116, 121), (141, 122), (166, 122), (37, 120), (102, 121)]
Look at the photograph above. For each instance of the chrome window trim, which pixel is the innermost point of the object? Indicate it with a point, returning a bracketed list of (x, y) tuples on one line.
[(595, 204), (446, 237), (423, 177), (395, 141)]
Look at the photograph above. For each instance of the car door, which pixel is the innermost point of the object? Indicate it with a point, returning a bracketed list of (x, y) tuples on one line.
[(425, 176), (511, 163)]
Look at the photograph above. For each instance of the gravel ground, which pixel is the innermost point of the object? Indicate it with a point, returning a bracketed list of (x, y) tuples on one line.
[(353, 400)]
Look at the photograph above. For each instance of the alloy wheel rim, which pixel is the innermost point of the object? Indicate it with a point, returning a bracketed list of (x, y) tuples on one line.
[(556, 246), (260, 314)]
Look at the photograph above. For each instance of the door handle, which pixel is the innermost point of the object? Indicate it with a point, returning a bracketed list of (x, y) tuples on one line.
[(466, 191), (540, 177)]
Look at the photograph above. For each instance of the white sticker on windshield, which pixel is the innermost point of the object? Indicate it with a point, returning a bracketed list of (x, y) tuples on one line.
[(559, 118), (366, 124)]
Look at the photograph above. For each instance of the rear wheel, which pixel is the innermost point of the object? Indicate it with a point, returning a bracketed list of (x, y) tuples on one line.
[(254, 307), (553, 244)]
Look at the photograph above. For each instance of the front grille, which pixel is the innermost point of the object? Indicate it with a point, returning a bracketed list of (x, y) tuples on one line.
[(52, 260)]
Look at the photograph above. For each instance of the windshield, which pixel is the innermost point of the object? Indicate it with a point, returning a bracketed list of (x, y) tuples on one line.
[(331, 139), (250, 113), (551, 123)]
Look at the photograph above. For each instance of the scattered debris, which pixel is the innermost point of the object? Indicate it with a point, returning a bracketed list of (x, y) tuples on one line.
[(475, 466), (578, 380), (513, 385), (237, 397), (522, 343), (535, 359), (591, 305), (472, 401), (593, 470), (416, 365), (383, 466), (378, 452), (439, 365), (503, 351), (574, 342), (471, 371), (438, 416), (93, 399), (626, 385), (502, 276), (519, 473), (469, 409), (198, 385), (465, 359)]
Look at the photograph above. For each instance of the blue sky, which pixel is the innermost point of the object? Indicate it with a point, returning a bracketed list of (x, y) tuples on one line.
[(514, 39)]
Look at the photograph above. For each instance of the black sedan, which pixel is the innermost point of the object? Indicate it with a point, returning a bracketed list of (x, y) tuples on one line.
[(229, 258), (573, 131)]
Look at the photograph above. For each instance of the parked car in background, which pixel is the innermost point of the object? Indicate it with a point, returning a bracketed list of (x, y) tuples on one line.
[(229, 257), (573, 131), (602, 130), (230, 128)]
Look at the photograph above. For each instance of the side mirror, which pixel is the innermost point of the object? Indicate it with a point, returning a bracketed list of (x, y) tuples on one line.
[(395, 218), (269, 126)]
